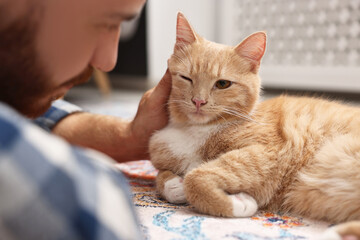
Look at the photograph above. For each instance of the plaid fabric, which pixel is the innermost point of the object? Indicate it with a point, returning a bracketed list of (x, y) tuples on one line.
[(52, 190)]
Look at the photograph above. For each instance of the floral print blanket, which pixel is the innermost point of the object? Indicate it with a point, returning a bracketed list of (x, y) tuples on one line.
[(162, 220)]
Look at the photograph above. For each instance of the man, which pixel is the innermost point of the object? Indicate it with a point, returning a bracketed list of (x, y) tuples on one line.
[(50, 189)]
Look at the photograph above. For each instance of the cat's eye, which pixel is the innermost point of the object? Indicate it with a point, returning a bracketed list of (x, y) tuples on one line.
[(186, 78), (222, 84)]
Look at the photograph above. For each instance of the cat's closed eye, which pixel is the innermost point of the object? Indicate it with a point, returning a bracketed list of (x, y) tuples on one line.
[(186, 78), (222, 84)]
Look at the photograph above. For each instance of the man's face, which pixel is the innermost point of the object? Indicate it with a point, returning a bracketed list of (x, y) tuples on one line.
[(46, 47)]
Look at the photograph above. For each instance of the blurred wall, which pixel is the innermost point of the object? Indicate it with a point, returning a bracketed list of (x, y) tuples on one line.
[(161, 29), (132, 52), (312, 44)]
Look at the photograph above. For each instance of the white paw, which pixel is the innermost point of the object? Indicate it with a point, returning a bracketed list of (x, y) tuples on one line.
[(330, 234), (174, 190), (243, 205)]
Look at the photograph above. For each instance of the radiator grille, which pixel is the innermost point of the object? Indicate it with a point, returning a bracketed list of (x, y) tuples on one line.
[(303, 32)]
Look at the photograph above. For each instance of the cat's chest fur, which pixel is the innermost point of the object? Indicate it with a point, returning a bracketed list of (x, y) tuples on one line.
[(184, 144)]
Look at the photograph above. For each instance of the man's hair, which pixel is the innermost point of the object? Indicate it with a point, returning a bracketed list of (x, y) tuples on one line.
[(22, 76), (25, 83)]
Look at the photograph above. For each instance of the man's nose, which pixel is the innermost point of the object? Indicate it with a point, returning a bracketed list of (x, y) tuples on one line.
[(105, 54)]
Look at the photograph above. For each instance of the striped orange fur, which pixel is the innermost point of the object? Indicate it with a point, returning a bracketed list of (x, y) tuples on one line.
[(291, 154)]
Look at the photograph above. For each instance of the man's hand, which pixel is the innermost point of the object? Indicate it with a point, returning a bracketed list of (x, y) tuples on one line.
[(152, 112), (121, 140)]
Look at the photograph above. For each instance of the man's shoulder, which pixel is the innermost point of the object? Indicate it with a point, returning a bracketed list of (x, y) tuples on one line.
[(17, 131), (69, 190), (10, 114), (11, 125)]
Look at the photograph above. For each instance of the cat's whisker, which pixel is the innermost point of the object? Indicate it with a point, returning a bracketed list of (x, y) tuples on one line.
[(185, 105), (218, 111), (245, 114), (237, 110), (233, 113), (240, 115), (220, 115), (232, 122), (226, 120), (180, 101)]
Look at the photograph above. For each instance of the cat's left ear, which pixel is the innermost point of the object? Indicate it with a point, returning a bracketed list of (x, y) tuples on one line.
[(253, 47), (185, 34)]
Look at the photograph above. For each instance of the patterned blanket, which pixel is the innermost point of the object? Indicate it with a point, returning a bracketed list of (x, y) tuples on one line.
[(162, 220)]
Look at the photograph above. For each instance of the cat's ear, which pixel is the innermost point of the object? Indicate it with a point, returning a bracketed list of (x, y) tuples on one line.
[(253, 47), (185, 34)]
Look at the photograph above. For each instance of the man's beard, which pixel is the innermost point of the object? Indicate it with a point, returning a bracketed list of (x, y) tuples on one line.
[(24, 82)]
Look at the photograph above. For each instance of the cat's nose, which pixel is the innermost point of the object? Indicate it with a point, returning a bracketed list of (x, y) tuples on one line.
[(198, 102)]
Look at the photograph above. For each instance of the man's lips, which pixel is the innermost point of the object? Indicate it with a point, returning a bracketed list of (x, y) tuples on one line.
[(83, 77), (68, 86)]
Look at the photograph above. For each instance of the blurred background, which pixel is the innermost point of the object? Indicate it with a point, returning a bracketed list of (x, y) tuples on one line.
[(313, 48)]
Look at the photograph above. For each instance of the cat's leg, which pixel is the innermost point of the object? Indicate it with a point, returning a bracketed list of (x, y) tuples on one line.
[(329, 187), (234, 185), (345, 231), (170, 186)]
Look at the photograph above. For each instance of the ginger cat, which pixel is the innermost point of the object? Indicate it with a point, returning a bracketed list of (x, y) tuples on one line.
[(228, 155)]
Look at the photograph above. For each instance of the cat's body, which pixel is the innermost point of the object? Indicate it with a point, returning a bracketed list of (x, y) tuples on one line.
[(290, 154), (301, 148)]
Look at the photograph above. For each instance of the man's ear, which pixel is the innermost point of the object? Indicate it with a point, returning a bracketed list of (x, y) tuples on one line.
[(185, 34)]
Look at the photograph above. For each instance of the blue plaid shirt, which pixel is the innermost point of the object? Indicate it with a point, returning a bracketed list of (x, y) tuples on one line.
[(52, 190)]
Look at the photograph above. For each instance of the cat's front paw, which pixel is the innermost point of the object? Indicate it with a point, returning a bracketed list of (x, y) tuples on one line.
[(243, 205), (174, 190), (330, 234)]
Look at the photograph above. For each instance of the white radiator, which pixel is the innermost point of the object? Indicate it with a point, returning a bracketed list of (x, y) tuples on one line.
[(312, 44)]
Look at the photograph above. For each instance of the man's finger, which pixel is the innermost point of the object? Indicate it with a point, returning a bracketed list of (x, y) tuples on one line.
[(164, 86)]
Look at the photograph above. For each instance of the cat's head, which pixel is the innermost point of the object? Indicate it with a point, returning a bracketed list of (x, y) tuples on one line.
[(213, 82)]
